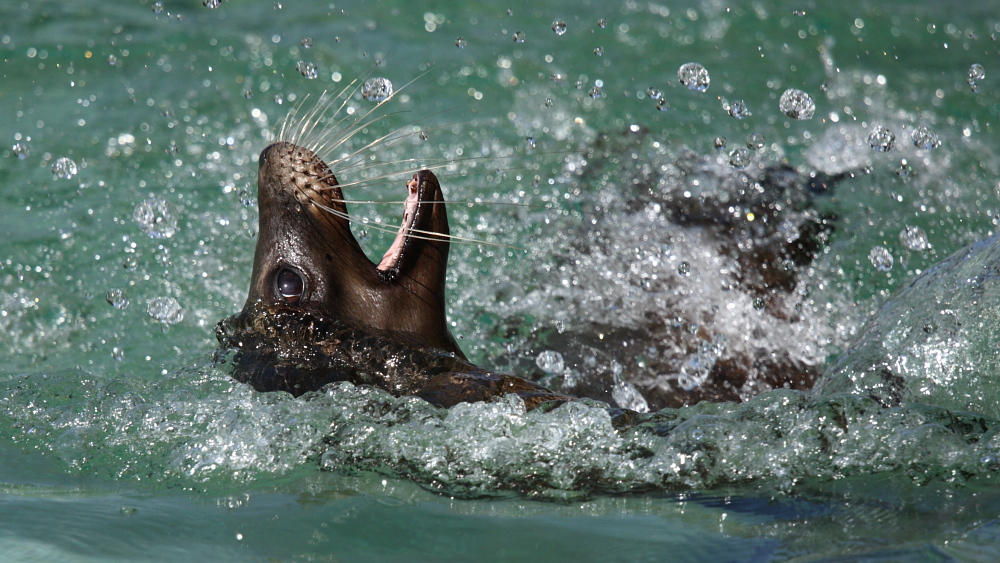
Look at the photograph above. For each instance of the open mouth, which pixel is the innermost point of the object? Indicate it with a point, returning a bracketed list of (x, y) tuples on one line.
[(391, 259)]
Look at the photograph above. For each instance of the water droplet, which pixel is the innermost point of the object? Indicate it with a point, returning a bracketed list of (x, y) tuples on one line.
[(924, 138), (166, 310), (130, 263), (684, 268), (279, 99), (798, 13), (694, 76), (211, 4), (118, 354), (881, 258), (602, 23), (460, 42), (719, 142), (112, 60), (599, 51), (596, 93), (550, 361), (559, 27), (155, 218), (531, 142), (306, 42), (64, 168), (548, 102), (518, 37), (21, 151), (248, 94), (758, 303), (796, 104), (376, 89), (662, 105), (423, 136), (913, 238), (755, 141), (881, 139), (157, 7), (739, 158), (117, 298), (246, 198), (307, 69), (976, 72), (739, 110), (626, 395), (653, 93)]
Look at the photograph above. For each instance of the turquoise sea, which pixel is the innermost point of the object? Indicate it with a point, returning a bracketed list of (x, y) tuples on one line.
[(129, 135)]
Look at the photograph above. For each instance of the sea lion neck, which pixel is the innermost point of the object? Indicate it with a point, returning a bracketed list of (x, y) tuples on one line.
[(308, 260)]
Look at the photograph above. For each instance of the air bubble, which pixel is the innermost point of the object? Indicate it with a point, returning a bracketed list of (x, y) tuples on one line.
[(155, 218), (881, 258), (158, 7), (797, 104), (460, 42), (376, 89), (559, 27), (694, 76), (719, 142), (602, 23), (165, 310), (881, 139), (599, 51), (662, 105), (924, 138), (518, 37), (306, 42), (653, 93), (684, 268), (913, 238), (64, 168), (550, 361), (211, 4), (596, 93)]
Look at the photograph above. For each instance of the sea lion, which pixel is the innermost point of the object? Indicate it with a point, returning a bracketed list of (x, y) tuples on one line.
[(319, 311)]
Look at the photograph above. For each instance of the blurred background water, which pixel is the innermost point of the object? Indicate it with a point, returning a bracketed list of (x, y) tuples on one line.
[(130, 132)]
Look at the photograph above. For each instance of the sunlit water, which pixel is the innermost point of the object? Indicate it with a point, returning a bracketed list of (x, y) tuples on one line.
[(129, 169)]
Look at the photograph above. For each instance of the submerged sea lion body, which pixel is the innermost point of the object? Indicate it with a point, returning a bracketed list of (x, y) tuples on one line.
[(686, 284)]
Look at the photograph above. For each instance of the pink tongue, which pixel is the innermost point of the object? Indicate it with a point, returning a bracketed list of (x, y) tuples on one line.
[(391, 257)]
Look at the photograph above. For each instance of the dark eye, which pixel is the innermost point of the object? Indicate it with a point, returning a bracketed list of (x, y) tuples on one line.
[(289, 285)]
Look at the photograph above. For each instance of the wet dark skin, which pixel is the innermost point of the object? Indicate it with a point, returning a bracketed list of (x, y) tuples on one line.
[(319, 310)]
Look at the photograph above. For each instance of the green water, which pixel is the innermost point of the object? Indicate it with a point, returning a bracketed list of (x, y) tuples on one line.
[(121, 439)]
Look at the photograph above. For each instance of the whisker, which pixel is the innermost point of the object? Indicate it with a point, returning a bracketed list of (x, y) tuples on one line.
[(420, 233)]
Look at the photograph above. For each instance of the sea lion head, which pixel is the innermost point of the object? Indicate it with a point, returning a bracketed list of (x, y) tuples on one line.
[(307, 260)]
